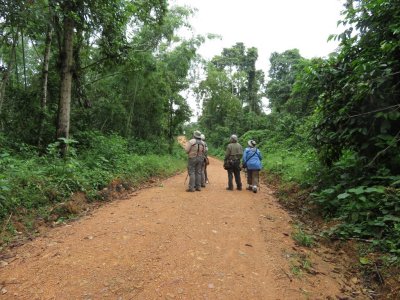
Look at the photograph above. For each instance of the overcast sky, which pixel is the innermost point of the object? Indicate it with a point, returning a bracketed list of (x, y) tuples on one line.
[(268, 25)]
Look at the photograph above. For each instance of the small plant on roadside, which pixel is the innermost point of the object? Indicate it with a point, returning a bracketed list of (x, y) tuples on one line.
[(302, 238), (300, 263), (296, 270), (306, 264)]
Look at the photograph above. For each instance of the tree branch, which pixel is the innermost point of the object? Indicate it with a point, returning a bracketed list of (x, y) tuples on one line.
[(384, 150), (374, 111), (109, 75)]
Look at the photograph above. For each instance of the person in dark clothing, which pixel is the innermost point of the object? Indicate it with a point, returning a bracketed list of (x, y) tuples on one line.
[(233, 154)]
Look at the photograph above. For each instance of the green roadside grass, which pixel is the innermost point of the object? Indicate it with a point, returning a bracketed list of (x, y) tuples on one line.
[(32, 187), (291, 166)]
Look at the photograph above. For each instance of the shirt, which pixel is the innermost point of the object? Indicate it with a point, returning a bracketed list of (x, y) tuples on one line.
[(195, 147), (234, 151)]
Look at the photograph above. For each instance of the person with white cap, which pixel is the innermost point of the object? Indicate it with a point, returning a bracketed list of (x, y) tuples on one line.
[(233, 155), (252, 162), (195, 148), (204, 177)]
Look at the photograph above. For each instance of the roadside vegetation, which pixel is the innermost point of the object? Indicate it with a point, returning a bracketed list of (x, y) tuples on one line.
[(37, 190), (89, 102)]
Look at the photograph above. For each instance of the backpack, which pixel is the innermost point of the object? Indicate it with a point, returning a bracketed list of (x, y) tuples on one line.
[(245, 163), (199, 143)]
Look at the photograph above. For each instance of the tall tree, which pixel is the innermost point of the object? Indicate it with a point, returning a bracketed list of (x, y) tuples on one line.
[(111, 18), (44, 82), (253, 81), (282, 73), (7, 69), (222, 110), (66, 58), (11, 22), (134, 97), (359, 109), (237, 60)]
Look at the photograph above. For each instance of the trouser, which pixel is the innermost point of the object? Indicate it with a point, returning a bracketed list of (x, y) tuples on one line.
[(234, 171), (252, 177), (194, 170)]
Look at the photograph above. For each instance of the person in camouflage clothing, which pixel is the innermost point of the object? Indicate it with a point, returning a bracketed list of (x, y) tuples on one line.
[(195, 148), (233, 155), (204, 177)]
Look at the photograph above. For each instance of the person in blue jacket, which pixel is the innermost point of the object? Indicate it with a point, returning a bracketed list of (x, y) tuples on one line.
[(252, 162)]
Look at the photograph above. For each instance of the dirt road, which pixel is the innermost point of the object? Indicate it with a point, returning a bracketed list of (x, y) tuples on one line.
[(165, 243)]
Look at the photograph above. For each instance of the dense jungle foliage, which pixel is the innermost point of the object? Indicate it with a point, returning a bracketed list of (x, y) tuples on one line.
[(89, 95), (334, 126)]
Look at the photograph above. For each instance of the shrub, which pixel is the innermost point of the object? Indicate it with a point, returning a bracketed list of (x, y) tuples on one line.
[(36, 182)]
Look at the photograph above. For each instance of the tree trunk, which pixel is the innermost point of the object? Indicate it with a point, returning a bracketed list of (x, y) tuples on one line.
[(64, 105), (128, 127), (78, 77), (23, 57), (250, 88), (7, 72), (170, 125), (45, 75)]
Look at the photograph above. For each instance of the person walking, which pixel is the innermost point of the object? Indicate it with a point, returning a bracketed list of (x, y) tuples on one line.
[(204, 177), (233, 155), (195, 149), (252, 162)]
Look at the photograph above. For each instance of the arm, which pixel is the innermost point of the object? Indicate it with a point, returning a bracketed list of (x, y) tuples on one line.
[(259, 154), (188, 147), (244, 156), (228, 151)]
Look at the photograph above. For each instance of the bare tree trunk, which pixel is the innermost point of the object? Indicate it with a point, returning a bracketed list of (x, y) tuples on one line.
[(170, 129), (45, 75), (128, 127), (250, 88), (64, 106), (7, 72), (78, 76), (23, 57)]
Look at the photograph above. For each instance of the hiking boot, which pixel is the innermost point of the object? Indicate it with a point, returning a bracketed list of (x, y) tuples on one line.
[(239, 188), (190, 190), (229, 189), (249, 188), (198, 189), (254, 189), (203, 185)]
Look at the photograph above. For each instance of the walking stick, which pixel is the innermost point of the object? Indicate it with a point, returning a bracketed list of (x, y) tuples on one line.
[(187, 175), (206, 175)]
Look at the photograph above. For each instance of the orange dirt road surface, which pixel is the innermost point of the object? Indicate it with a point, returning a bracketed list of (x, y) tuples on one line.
[(165, 243)]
